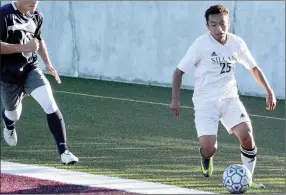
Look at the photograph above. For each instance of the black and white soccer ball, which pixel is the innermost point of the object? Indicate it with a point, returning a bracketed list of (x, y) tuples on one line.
[(236, 179)]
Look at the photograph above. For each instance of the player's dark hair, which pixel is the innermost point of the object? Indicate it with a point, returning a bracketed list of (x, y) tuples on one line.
[(215, 9)]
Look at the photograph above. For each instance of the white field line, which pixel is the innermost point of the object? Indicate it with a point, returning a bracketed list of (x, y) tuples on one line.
[(148, 102), (99, 181)]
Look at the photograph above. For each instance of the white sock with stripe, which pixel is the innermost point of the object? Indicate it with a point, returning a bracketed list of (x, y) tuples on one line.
[(248, 158)]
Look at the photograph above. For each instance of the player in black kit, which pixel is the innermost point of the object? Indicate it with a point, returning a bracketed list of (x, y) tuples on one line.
[(20, 33)]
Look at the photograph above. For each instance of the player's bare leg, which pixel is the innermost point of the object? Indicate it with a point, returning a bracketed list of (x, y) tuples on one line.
[(244, 133), (208, 148)]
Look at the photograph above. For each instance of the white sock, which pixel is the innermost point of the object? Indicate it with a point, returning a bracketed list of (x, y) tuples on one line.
[(248, 158)]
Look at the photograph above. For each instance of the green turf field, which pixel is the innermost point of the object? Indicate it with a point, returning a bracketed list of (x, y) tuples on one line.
[(128, 131)]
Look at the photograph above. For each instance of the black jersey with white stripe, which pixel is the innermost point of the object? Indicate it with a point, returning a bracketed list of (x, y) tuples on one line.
[(16, 28)]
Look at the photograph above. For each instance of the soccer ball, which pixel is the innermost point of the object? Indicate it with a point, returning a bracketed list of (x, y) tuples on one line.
[(236, 179)]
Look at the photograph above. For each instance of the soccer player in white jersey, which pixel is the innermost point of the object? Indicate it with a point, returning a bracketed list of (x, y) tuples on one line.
[(213, 57)]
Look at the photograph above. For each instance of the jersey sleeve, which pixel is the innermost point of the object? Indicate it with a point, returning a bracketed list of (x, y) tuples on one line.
[(190, 59), (38, 33), (245, 57), (3, 27)]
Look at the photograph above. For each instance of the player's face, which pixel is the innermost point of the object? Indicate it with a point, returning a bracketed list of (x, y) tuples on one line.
[(218, 26), (28, 5)]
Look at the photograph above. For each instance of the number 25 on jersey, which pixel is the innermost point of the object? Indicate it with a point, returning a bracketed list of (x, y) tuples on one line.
[(225, 67)]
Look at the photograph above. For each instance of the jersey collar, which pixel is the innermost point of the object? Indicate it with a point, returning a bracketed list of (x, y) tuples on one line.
[(227, 41), (13, 4)]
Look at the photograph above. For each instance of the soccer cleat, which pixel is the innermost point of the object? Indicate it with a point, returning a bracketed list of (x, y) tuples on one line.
[(207, 166), (10, 136), (254, 185), (68, 158)]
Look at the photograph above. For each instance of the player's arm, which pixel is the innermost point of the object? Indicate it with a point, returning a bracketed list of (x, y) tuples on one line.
[(260, 78), (43, 51), (7, 48), (249, 63), (177, 83), (185, 65), (176, 86)]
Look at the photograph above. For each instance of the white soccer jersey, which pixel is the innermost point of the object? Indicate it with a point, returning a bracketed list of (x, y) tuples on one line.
[(214, 66)]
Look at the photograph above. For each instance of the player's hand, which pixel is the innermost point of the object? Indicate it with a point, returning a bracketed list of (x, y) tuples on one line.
[(53, 71), (32, 45), (270, 102), (175, 107)]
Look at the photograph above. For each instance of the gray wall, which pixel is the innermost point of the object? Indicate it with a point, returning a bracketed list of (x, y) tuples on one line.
[(142, 42)]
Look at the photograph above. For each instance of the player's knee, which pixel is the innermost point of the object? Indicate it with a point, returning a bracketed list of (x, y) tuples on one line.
[(208, 151), (247, 141), (14, 115), (208, 145), (245, 135), (50, 107)]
